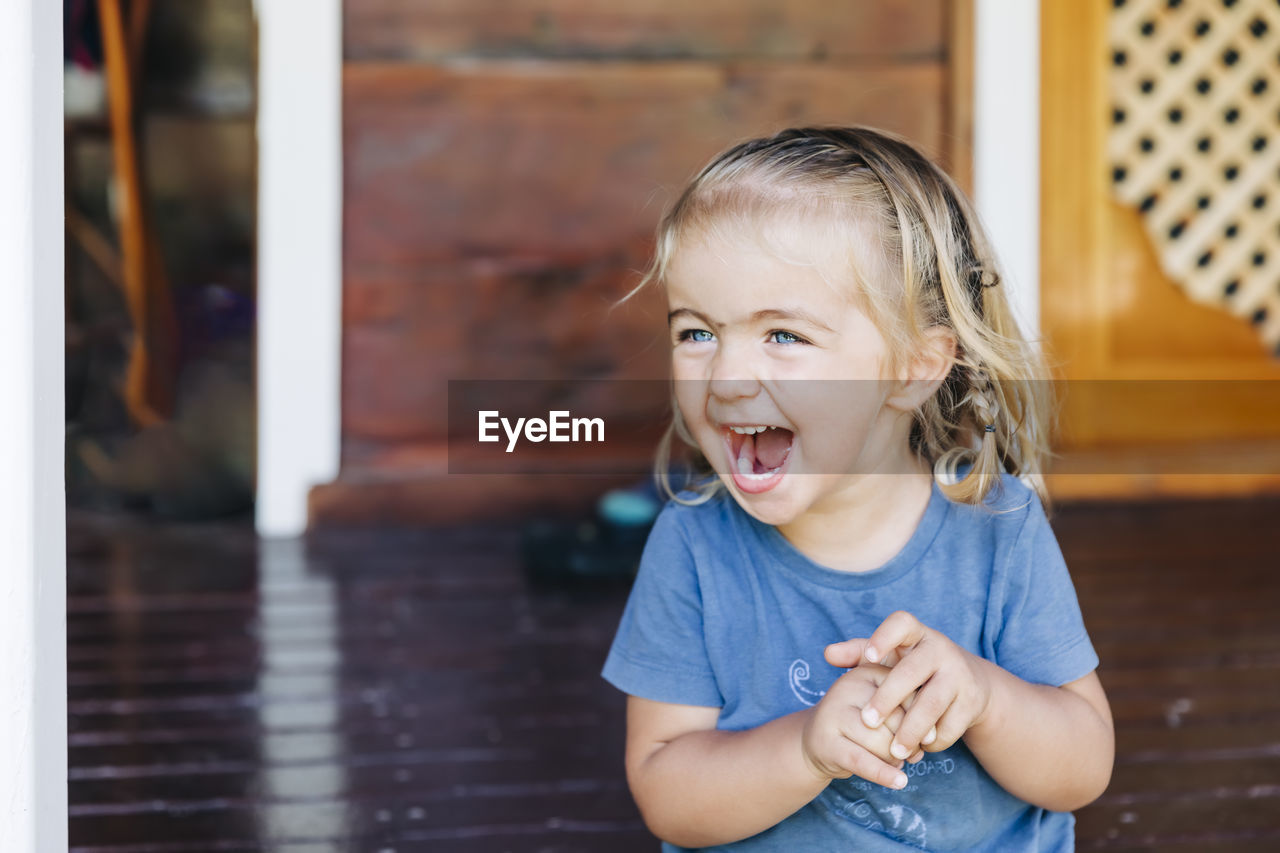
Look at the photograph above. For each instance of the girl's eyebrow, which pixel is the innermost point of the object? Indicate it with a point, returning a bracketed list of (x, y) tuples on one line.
[(680, 312), (764, 314), (790, 314)]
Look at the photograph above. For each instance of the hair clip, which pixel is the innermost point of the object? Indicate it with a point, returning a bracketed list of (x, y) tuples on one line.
[(980, 277), (991, 427)]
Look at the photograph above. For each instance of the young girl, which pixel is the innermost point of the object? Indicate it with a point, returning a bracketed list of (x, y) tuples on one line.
[(866, 575)]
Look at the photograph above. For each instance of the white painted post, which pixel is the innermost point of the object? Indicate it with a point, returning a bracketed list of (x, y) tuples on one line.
[(33, 660), (299, 256), (1006, 144)]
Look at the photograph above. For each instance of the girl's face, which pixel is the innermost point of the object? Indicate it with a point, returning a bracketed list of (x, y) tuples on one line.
[(779, 376)]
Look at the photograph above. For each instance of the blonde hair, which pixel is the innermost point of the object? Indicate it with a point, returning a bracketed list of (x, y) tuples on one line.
[(929, 264)]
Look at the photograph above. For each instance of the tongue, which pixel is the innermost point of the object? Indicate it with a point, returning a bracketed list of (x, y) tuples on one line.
[(771, 447)]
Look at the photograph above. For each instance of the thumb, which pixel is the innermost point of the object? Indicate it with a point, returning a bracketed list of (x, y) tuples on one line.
[(846, 654)]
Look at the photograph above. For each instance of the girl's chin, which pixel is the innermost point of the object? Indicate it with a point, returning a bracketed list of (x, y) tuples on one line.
[(772, 508)]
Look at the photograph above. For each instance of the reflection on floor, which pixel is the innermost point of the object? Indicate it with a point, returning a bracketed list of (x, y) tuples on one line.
[(409, 691)]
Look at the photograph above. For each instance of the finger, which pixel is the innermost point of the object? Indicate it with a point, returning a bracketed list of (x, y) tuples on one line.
[(863, 763), (906, 706), (935, 699), (894, 721), (845, 654), (951, 727), (874, 741), (856, 686), (910, 673), (900, 630), (890, 658)]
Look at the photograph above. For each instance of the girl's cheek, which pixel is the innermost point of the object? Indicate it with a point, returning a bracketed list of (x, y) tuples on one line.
[(687, 364), (800, 361), (692, 406)]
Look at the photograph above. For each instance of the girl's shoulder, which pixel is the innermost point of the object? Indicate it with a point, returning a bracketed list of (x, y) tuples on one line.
[(1013, 495), (690, 508), (1010, 508), (1009, 495), (713, 517), (700, 528)]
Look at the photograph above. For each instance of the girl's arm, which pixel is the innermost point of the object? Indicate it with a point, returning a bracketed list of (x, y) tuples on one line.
[(1051, 746), (697, 786)]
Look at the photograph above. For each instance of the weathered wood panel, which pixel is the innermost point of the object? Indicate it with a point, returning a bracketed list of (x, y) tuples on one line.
[(713, 29), (488, 320), (505, 165), (575, 160), (493, 214)]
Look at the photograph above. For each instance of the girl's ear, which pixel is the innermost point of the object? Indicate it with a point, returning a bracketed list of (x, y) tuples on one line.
[(926, 371)]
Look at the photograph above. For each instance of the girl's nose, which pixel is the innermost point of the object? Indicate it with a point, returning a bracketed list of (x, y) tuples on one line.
[(732, 377)]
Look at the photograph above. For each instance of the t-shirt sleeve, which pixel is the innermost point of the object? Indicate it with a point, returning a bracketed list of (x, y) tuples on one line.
[(660, 652), (1042, 637)]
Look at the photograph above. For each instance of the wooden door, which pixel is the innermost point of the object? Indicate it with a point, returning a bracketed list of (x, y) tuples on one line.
[(1161, 395)]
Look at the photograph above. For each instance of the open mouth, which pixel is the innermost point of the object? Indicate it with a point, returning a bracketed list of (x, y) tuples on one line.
[(758, 454)]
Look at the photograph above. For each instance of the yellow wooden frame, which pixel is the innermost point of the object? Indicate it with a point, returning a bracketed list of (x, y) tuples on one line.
[(1087, 242)]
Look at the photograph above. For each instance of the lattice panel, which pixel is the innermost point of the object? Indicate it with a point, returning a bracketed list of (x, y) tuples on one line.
[(1194, 145)]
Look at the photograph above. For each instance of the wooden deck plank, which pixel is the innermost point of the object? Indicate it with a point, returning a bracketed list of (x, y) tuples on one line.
[(412, 691)]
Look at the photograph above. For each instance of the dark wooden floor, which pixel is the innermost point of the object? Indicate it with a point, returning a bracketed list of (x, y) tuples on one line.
[(398, 692)]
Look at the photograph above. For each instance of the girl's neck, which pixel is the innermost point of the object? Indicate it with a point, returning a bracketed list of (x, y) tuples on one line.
[(867, 523)]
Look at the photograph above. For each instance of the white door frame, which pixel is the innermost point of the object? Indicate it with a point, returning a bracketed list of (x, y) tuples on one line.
[(33, 588), (299, 256), (1006, 144)]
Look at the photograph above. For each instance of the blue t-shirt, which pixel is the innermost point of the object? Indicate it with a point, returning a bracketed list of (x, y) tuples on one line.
[(726, 613)]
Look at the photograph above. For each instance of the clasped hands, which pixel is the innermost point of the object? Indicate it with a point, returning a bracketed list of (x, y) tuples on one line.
[(909, 690)]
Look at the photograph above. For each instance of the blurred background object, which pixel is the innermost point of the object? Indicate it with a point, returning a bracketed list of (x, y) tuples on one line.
[(160, 248)]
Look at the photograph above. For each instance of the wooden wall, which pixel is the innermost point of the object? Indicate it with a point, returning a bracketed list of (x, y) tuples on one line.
[(506, 162)]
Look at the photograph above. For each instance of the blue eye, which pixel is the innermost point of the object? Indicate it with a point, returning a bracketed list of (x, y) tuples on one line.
[(781, 337), (697, 336)]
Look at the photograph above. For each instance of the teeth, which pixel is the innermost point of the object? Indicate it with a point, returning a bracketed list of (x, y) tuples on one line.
[(766, 475), (750, 430), (744, 466)]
